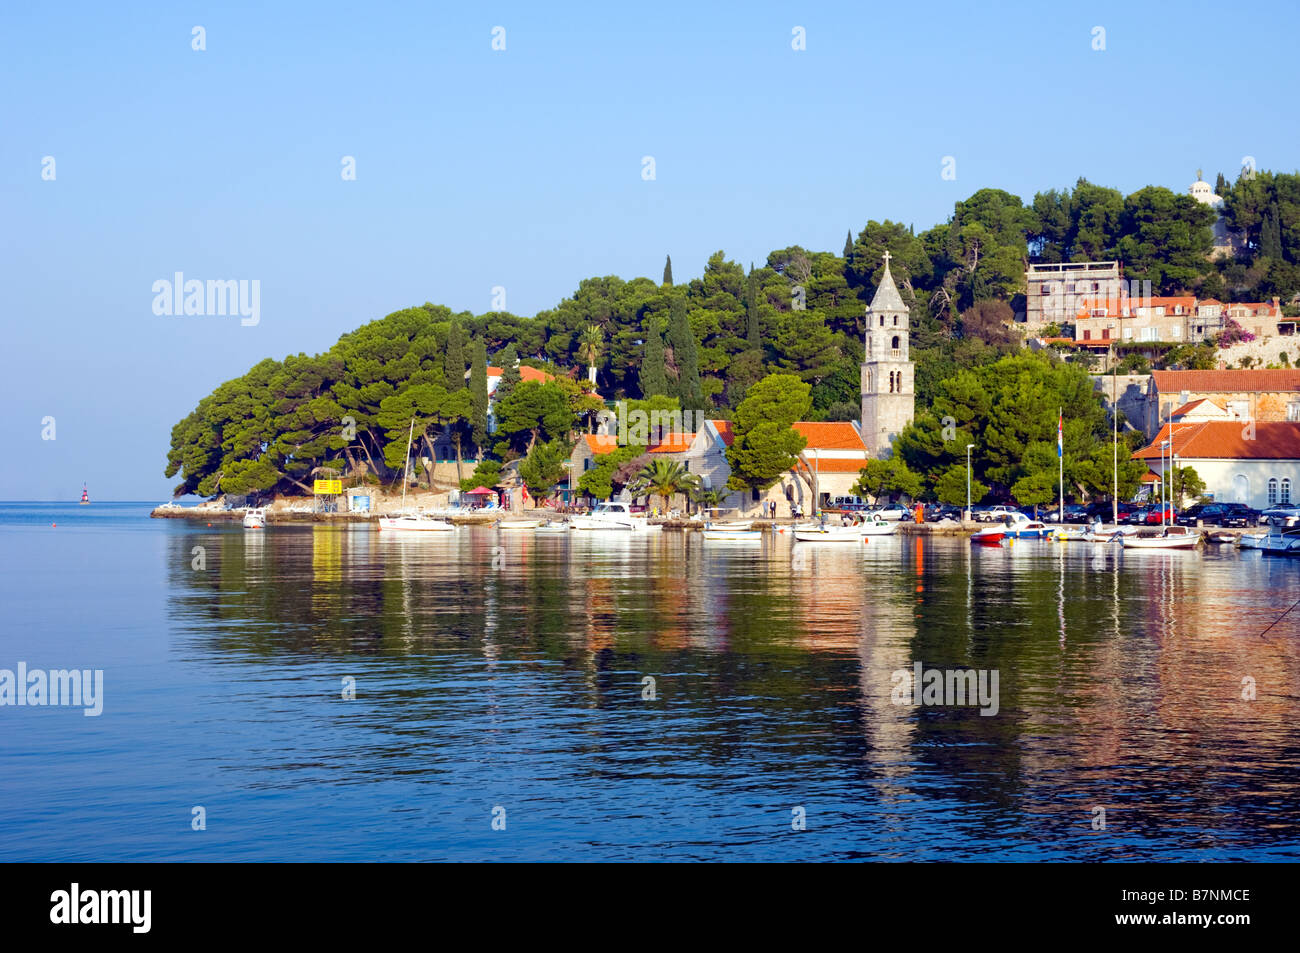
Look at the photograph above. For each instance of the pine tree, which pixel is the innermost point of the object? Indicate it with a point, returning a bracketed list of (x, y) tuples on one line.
[(952, 247), (479, 395), (848, 244), (454, 359), (654, 375), (685, 355), (668, 270)]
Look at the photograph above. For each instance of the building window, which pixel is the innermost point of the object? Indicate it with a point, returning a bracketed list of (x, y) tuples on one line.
[(895, 320), (1045, 289), (1293, 411), (1272, 492), (1087, 335), (895, 343), (1286, 491)]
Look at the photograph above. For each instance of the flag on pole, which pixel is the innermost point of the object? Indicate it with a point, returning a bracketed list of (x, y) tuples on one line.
[(1060, 435)]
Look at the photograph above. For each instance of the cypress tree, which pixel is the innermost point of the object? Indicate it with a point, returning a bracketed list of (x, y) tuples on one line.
[(454, 359), (479, 395), (668, 270), (848, 244), (753, 333), (654, 375), (685, 355), (1220, 185), (1270, 235), (508, 361)]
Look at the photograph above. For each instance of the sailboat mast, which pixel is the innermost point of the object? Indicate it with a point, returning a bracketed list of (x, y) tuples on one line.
[(406, 463)]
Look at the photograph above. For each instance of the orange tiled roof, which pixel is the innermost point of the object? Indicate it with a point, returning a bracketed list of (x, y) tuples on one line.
[(1226, 440), (725, 431), (830, 436), (674, 442), (1125, 306), (526, 373), (835, 466), (1223, 382), (599, 443), (1192, 405)]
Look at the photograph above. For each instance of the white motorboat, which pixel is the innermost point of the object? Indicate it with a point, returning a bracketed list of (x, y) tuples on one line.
[(553, 526), (518, 524), (875, 526), (415, 523), (830, 534), (1276, 540), (1173, 537), (255, 517), (614, 517)]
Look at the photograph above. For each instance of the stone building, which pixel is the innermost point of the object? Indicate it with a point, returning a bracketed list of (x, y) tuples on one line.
[(1053, 292), (1270, 395), (888, 375)]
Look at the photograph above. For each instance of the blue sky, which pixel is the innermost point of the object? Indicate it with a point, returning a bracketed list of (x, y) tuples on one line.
[(522, 168)]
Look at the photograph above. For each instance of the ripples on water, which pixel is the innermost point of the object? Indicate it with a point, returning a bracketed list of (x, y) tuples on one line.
[(507, 670)]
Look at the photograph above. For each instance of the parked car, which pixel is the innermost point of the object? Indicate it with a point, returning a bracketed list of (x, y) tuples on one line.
[(980, 514), (1286, 516), (934, 512), (1137, 515), (1239, 514), (1153, 517), (892, 511), (1207, 513), (998, 513), (1219, 514), (1074, 513)]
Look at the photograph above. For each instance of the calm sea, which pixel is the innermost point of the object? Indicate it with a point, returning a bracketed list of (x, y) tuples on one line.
[(503, 678)]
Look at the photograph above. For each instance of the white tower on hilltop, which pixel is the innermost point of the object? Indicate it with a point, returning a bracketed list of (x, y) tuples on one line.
[(888, 375)]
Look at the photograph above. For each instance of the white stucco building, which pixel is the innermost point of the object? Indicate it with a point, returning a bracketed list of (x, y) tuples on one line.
[(1240, 461)]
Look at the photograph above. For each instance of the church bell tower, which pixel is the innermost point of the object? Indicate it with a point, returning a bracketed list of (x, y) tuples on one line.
[(888, 375)]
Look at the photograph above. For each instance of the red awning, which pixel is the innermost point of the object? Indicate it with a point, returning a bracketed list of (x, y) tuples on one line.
[(481, 491)]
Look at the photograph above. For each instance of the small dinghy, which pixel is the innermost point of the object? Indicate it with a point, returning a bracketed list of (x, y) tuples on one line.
[(553, 526), (418, 523), (735, 532), (518, 524)]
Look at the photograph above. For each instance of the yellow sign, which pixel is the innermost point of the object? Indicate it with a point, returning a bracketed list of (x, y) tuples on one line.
[(328, 487)]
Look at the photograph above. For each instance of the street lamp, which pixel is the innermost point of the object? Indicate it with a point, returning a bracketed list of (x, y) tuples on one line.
[(969, 448)]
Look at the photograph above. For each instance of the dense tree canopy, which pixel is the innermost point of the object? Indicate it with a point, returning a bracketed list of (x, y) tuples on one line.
[(708, 341)]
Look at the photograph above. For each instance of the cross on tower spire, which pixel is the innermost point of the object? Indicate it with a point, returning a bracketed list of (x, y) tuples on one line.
[(887, 256)]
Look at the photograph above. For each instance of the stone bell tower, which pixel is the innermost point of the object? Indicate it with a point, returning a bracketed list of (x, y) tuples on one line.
[(888, 376)]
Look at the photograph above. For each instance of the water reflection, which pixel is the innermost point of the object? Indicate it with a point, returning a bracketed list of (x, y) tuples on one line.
[(1120, 680)]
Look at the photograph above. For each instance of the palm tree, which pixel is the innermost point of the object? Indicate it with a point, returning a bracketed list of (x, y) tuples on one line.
[(708, 499), (664, 478), (590, 344)]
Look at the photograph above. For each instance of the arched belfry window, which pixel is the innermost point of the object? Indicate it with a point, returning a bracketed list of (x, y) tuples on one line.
[(895, 344)]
